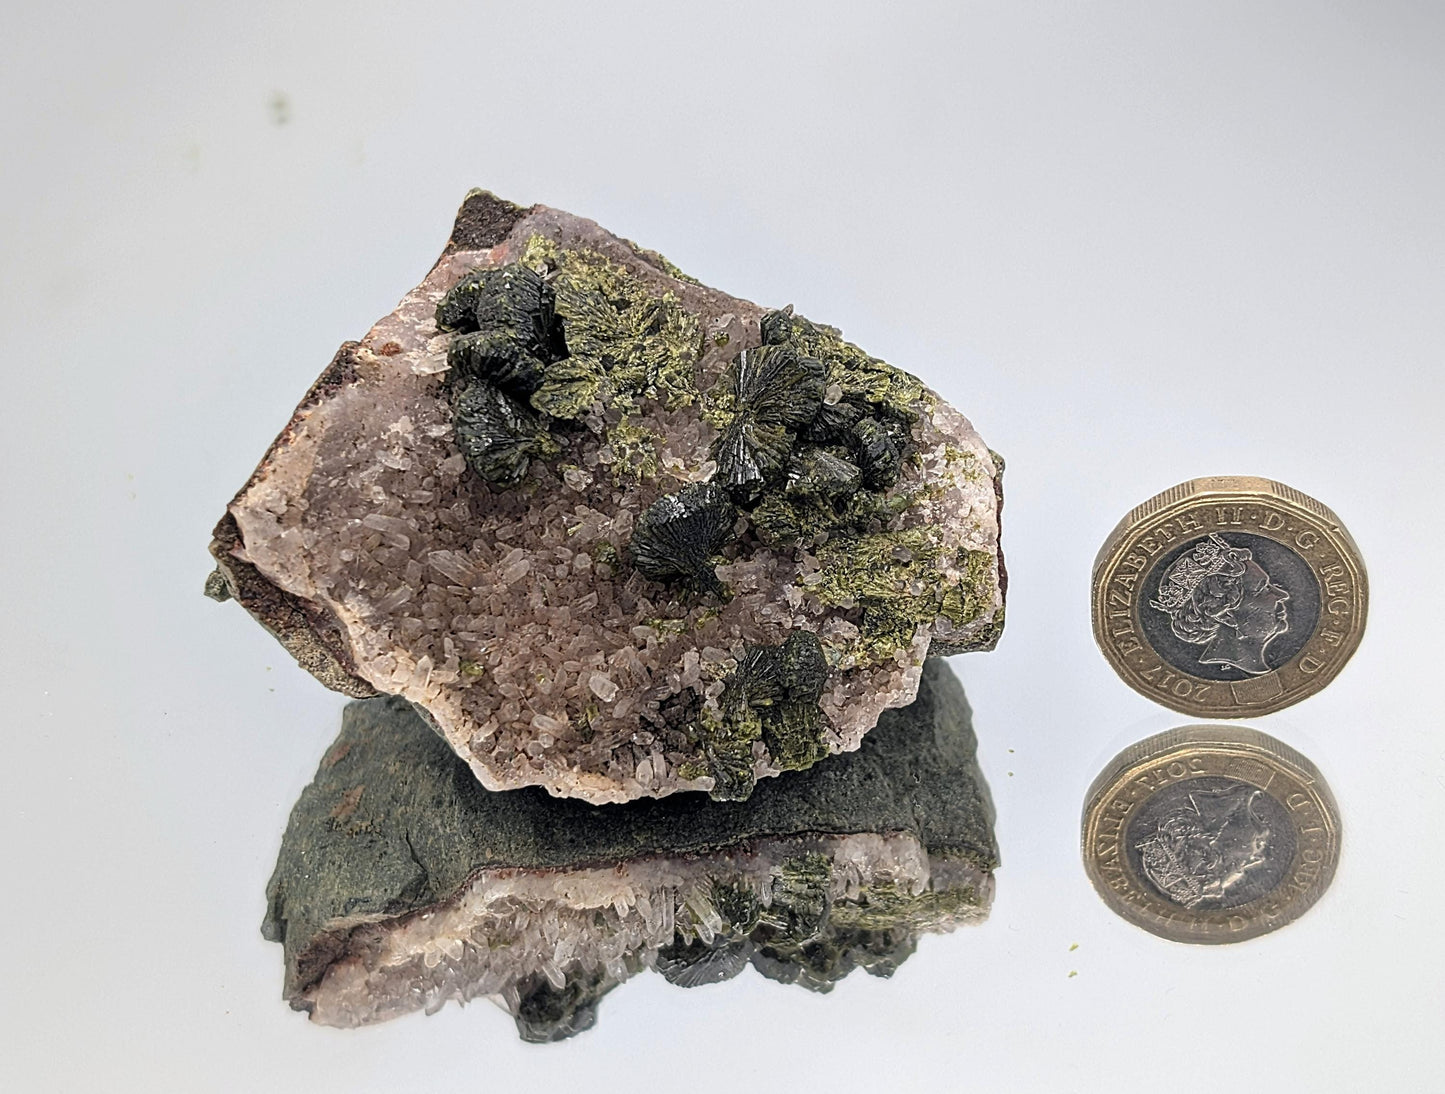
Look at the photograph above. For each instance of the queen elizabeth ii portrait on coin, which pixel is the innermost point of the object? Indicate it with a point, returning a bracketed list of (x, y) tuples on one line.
[(1217, 596), (1205, 847)]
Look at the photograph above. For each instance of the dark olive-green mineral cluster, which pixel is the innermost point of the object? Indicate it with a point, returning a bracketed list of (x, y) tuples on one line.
[(506, 334), (679, 535), (815, 432), (773, 697)]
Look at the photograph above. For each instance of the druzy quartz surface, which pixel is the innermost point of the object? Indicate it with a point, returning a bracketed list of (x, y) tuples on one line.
[(616, 533)]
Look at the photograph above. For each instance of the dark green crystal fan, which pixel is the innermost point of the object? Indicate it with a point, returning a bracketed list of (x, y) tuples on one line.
[(677, 535)]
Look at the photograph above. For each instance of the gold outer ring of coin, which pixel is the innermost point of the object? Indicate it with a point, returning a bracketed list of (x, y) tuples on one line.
[(1247, 759), (1136, 632)]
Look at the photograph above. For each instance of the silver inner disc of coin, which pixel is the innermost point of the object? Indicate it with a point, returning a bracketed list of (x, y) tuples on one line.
[(1229, 606), (1211, 842)]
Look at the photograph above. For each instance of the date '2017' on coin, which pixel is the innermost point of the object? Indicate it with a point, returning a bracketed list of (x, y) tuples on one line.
[(1229, 597)]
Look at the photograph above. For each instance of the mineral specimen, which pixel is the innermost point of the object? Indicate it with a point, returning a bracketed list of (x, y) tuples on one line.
[(402, 883), (564, 496)]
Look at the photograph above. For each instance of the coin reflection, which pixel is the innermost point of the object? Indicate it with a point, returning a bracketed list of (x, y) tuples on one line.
[(1201, 852)]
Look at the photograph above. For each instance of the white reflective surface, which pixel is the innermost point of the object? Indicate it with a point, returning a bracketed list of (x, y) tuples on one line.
[(1134, 245)]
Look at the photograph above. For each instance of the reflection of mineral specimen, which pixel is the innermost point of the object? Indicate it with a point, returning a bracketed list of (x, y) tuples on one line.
[(563, 494), (402, 883)]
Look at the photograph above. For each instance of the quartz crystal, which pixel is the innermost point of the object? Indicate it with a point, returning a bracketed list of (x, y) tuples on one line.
[(402, 883), (564, 495)]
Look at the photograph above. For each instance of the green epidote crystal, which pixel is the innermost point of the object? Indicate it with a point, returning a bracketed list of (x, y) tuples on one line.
[(820, 964), (813, 432), (507, 328), (512, 299), (893, 577), (740, 909), (693, 964), (678, 534), (394, 833), (864, 380), (799, 907), (780, 687), (625, 342), (634, 451), (788, 518), (822, 476), (773, 697), (506, 337), (877, 450), (497, 435), (726, 746), (545, 1013), (588, 332), (495, 357), (776, 391)]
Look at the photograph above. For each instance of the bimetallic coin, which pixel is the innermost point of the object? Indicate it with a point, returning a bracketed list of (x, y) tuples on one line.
[(1229, 597), (1210, 834)]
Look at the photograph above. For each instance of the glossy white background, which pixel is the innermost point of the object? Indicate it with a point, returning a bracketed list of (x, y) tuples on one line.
[(1134, 242)]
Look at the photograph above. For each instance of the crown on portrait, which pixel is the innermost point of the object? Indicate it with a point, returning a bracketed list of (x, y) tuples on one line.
[(1209, 557)]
